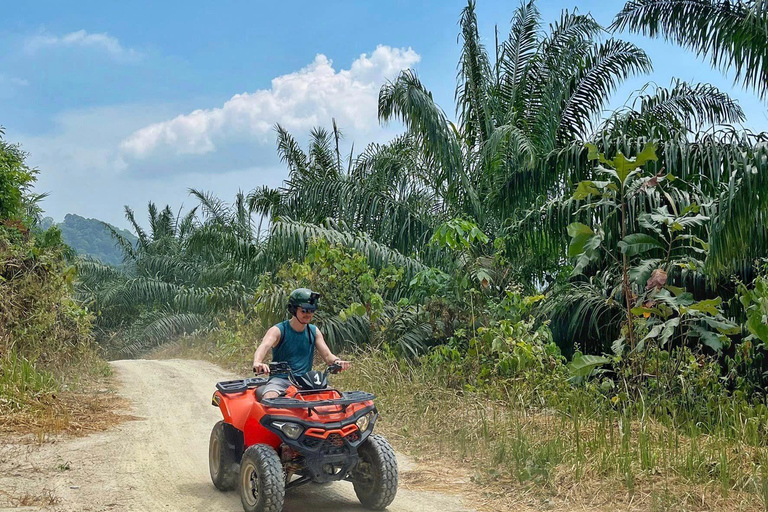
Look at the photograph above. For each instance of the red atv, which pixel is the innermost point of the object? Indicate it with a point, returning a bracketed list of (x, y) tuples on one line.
[(312, 434)]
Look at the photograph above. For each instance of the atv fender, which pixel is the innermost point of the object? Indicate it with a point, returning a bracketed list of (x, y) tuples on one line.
[(235, 408), (242, 411)]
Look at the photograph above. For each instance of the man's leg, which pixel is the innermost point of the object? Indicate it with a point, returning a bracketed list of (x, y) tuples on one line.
[(274, 388)]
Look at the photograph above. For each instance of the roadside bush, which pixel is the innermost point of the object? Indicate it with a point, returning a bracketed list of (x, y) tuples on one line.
[(43, 332), (512, 355)]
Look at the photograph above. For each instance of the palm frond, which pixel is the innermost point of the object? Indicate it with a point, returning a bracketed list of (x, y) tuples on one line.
[(732, 34)]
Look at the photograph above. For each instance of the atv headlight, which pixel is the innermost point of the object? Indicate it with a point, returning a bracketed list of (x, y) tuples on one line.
[(363, 422), (291, 430)]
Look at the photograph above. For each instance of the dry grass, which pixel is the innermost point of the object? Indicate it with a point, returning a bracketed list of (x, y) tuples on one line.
[(45, 499), (93, 407)]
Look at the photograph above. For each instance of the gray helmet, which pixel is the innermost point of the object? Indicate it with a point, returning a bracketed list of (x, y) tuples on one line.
[(303, 298)]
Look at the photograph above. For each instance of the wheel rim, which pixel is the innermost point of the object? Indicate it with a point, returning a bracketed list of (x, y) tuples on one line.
[(250, 482), (214, 455)]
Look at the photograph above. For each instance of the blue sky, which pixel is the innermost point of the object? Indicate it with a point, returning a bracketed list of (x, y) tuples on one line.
[(125, 102)]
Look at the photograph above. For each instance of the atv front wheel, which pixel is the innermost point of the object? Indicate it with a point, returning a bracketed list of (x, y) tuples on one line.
[(375, 475), (222, 456), (262, 482)]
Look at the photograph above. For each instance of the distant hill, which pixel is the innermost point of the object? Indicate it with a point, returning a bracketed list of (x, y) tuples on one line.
[(90, 237)]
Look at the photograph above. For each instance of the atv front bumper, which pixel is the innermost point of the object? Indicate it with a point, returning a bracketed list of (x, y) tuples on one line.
[(328, 450)]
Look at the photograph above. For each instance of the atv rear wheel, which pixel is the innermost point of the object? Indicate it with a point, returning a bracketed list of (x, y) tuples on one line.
[(262, 482), (222, 456), (375, 475)]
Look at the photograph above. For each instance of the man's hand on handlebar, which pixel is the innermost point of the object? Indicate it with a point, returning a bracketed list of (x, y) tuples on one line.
[(342, 365), (259, 368)]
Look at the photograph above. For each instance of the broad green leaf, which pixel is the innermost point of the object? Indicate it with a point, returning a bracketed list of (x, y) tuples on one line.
[(709, 338), (654, 332), (580, 235), (624, 166), (585, 189), (676, 290), (756, 323), (498, 345), (638, 243), (724, 327), (696, 220), (582, 365), (592, 154), (578, 245), (647, 154), (577, 228), (709, 306), (669, 330), (642, 311)]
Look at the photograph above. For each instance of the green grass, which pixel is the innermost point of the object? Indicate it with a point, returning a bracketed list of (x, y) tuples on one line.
[(21, 382)]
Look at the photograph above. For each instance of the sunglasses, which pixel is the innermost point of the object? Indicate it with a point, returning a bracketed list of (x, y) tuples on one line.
[(307, 311)]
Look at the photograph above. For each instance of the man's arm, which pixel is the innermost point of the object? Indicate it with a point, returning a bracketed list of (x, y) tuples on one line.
[(325, 352), (271, 338)]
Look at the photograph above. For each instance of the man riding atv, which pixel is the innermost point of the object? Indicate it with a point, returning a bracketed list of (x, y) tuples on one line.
[(293, 428), (293, 341)]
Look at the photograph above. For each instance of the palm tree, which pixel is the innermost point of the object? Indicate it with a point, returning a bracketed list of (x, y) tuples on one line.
[(171, 282), (523, 120)]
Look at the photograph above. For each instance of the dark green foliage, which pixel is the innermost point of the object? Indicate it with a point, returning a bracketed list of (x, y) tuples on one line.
[(17, 202), (356, 299)]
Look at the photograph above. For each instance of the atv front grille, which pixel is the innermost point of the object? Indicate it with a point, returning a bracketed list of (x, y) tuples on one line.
[(333, 445), (312, 442)]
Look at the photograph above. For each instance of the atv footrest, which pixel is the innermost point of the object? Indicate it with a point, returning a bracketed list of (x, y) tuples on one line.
[(238, 386), (347, 398)]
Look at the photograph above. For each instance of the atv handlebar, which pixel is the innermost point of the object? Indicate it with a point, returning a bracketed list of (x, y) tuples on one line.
[(283, 367), (276, 367)]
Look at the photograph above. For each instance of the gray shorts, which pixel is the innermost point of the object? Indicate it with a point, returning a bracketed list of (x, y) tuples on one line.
[(275, 384)]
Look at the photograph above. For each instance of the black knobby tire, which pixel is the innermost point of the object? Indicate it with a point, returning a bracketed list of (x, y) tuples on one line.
[(223, 456), (375, 477), (262, 481)]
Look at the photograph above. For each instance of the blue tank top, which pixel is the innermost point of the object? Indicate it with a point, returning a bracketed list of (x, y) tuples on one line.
[(295, 348)]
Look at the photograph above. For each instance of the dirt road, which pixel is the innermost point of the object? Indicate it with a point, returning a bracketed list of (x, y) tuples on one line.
[(159, 462)]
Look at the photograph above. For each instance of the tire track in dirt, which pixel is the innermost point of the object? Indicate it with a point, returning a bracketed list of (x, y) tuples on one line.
[(159, 462)]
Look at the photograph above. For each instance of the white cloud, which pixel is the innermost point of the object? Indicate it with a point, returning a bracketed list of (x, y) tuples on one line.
[(298, 101), (13, 80), (95, 160), (81, 39)]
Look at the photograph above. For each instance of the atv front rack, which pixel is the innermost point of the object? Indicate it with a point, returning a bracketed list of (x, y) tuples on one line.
[(347, 398), (240, 385)]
